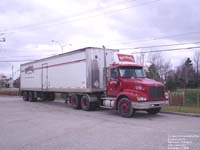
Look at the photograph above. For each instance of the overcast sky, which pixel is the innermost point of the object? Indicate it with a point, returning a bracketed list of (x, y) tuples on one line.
[(30, 26)]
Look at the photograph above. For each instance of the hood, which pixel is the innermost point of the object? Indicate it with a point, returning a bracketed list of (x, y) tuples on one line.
[(145, 81)]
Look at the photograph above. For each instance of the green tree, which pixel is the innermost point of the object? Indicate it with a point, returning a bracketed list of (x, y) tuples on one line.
[(152, 73)]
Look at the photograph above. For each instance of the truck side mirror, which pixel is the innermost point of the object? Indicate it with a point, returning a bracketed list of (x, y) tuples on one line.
[(113, 73)]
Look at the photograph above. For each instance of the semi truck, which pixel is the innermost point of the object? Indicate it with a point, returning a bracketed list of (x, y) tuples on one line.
[(91, 78)]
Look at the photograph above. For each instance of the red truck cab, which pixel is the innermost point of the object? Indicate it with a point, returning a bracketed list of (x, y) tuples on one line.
[(133, 90)]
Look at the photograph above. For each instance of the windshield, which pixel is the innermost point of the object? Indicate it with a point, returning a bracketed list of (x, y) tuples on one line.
[(132, 72)]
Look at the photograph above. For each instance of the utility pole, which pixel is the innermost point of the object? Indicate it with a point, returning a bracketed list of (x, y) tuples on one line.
[(12, 71)]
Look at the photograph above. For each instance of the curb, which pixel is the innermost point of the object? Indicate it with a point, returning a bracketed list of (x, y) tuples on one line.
[(181, 114)]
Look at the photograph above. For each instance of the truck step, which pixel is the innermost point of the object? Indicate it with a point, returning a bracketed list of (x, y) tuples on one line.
[(106, 107)]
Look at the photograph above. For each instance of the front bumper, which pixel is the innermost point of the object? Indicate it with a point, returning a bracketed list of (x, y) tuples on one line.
[(149, 105)]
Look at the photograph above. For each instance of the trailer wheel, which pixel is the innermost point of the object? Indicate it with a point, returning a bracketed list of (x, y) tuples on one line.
[(154, 111), (31, 97), (75, 102), (25, 96), (125, 108)]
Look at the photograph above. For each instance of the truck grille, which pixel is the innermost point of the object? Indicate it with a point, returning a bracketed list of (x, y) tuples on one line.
[(156, 92)]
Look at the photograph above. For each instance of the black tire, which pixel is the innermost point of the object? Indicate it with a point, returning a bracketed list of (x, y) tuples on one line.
[(86, 104), (75, 102), (97, 105), (31, 97), (51, 96), (94, 105), (25, 96), (125, 108), (154, 111), (44, 96)]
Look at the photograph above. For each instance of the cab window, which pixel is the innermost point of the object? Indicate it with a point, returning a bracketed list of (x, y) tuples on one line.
[(132, 72), (113, 73)]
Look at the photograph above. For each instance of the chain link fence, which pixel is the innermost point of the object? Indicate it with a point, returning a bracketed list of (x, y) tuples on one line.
[(185, 98)]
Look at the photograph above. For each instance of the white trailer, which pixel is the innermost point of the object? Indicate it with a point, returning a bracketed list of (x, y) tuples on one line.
[(80, 71)]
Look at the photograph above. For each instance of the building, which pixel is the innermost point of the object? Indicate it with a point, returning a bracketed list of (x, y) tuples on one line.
[(5, 82), (3, 79)]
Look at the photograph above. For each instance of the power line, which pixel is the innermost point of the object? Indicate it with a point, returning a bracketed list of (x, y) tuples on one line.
[(55, 21), (162, 50), (157, 38), (28, 50), (126, 48), (126, 42), (27, 57), (83, 18), (154, 46), (33, 55), (25, 60), (153, 39), (166, 50), (118, 10)]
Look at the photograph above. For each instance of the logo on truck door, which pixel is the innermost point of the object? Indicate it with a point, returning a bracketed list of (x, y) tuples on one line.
[(29, 70)]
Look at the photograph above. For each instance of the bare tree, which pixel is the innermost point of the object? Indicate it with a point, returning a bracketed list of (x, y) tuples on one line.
[(155, 58), (165, 67), (162, 65), (196, 60), (141, 58)]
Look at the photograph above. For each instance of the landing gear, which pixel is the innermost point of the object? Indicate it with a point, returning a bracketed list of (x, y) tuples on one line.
[(51, 96), (25, 96)]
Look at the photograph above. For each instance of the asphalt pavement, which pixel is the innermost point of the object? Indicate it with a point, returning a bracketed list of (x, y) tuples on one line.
[(56, 126)]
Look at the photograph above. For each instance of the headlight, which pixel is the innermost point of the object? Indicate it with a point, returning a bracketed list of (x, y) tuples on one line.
[(141, 99)]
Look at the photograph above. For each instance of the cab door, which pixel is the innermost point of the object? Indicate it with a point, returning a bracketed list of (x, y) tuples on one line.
[(113, 82)]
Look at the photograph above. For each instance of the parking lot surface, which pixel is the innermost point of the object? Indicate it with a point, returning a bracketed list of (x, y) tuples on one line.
[(56, 126)]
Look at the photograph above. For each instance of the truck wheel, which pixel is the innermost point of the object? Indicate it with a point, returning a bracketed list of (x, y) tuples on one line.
[(86, 104), (25, 96), (154, 111), (75, 101), (51, 96), (31, 97), (125, 108)]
